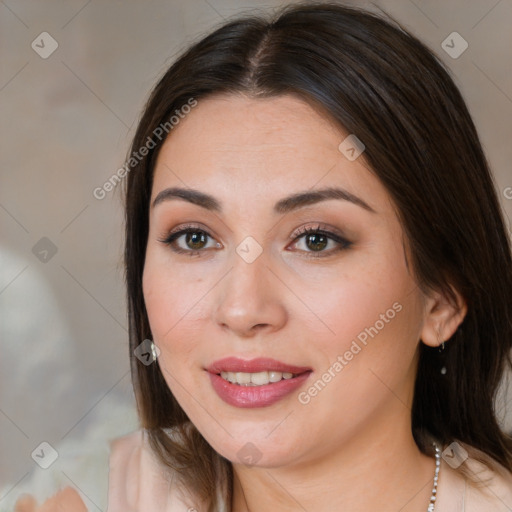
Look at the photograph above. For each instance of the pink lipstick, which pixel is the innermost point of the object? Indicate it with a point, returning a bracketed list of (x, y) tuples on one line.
[(255, 383)]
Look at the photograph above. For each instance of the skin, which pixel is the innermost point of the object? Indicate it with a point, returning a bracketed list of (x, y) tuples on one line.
[(351, 446)]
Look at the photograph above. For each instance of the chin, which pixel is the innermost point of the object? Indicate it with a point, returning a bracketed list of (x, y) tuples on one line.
[(253, 449)]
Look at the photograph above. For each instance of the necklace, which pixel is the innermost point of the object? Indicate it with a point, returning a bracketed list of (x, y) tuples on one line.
[(432, 502)]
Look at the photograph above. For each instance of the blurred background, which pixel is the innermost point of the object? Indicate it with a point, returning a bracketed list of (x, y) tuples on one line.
[(74, 76)]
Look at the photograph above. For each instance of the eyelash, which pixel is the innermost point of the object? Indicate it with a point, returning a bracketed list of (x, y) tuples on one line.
[(301, 233)]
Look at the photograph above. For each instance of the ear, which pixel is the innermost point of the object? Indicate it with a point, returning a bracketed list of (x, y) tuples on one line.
[(442, 317)]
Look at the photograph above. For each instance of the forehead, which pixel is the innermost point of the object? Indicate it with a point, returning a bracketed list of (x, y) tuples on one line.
[(223, 128), (257, 119), (264, 147)]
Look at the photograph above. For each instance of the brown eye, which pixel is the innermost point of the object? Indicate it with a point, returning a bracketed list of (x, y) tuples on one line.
[(194, 241), (315, 240)]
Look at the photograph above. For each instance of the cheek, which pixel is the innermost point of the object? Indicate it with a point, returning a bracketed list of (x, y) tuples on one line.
[(158, 301), (167, 303), (368, 362), (370, 293), (372, 319), (174, 311)]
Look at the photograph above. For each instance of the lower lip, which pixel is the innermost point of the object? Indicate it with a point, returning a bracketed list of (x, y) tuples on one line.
[(255, 396)]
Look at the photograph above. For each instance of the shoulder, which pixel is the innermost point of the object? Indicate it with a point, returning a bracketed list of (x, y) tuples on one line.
[(478, 484), (489, 485), (138, 481)]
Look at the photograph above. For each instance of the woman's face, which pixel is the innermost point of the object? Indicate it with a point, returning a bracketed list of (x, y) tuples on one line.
[(338, 310)]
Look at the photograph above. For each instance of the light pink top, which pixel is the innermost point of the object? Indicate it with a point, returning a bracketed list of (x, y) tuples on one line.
[(138, 483)]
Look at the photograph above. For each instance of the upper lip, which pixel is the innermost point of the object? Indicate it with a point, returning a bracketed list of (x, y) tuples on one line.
[(260, 364)]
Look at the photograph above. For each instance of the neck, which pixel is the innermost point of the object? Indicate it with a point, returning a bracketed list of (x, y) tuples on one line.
[(380, 468)]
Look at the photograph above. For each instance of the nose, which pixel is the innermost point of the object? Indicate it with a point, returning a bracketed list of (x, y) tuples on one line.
[(249, 299)]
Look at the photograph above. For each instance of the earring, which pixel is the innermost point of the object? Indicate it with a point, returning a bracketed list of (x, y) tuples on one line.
[(154, 353), (441, 351)]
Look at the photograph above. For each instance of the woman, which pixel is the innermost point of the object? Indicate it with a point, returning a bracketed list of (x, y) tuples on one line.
[(319, 279)]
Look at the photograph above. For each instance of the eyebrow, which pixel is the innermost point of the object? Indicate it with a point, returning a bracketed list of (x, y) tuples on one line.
[(285, 205)]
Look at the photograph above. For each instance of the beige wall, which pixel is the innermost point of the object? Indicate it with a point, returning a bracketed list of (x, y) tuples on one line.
[(66, 122)]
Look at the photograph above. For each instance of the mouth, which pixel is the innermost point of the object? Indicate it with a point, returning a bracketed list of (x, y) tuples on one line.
[(256, 382)]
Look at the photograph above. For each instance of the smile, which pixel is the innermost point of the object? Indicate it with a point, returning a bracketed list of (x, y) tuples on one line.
[(255, 383)]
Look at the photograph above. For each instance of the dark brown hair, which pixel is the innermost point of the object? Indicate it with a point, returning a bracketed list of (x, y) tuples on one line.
[(379, 82)]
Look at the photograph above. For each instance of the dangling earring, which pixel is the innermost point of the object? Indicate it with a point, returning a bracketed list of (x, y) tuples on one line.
[(154, 351), (441, 351)]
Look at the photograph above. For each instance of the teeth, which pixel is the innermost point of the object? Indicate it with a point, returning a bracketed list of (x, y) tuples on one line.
[(255, 379), (259, 378), (274, 376)]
